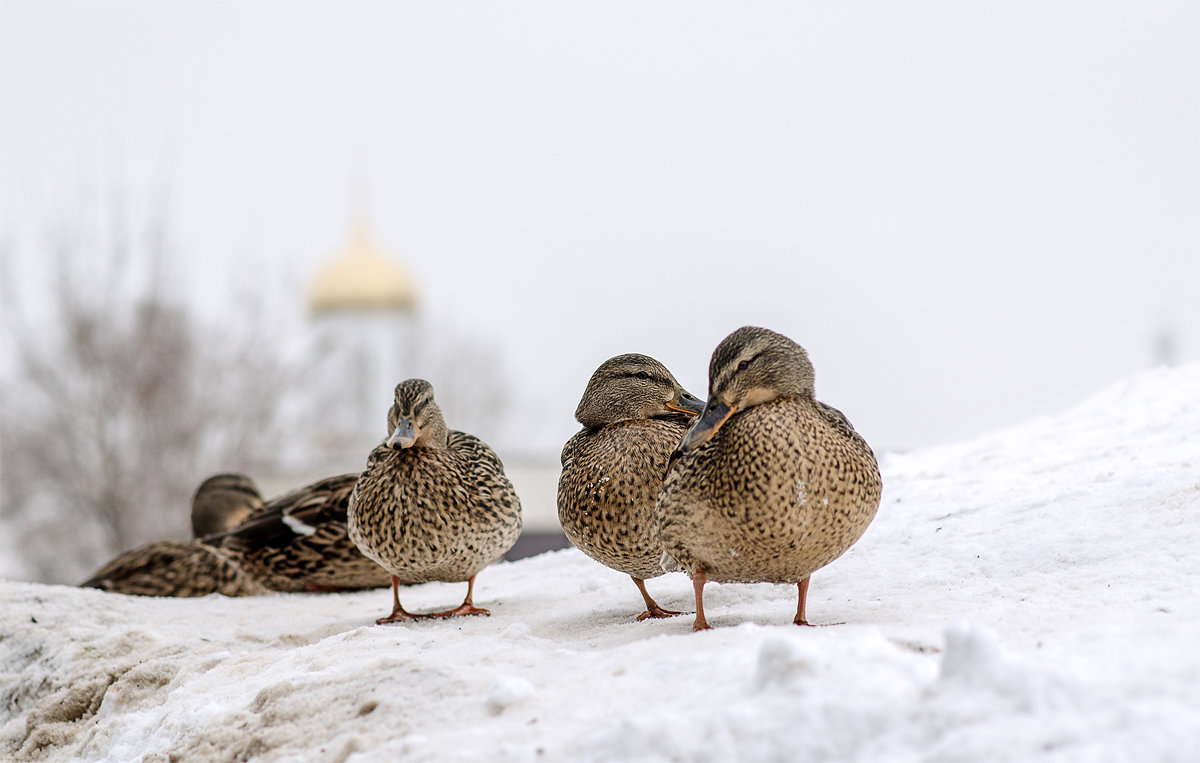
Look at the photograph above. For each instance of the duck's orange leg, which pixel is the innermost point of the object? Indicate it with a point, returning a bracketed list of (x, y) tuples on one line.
[(652, 608), (803, 588), (467, 607), (698, 581), (398, 615)]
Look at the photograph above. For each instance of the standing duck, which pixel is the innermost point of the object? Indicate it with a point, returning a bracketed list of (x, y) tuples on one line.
[(189, 568), (433, 504), (769, 484), (633, 414)]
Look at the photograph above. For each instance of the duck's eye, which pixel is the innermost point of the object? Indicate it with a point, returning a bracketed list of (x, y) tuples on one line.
[(642, 375), (743, 364)]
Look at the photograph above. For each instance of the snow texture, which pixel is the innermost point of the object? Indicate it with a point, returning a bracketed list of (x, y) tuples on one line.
[(1029, 595)]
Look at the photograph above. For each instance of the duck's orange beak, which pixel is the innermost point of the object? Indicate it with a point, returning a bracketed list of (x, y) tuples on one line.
[(715, 416)]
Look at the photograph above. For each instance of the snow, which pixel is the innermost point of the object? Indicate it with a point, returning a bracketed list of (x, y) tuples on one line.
[(1027, 595)]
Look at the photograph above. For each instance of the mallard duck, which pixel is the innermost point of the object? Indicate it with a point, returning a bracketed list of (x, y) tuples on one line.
[(433, 504), (189, 568), (298, 542), (633, 414), (175, 568), (222, 502), (769, 484)]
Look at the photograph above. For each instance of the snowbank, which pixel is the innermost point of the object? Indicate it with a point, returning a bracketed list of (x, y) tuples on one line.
[(1027, 595)]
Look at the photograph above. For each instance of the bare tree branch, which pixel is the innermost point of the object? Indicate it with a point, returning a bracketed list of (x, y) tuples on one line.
[(120, 399)]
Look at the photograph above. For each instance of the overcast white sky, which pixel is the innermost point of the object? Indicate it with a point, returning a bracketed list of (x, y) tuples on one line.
[(969, 213)]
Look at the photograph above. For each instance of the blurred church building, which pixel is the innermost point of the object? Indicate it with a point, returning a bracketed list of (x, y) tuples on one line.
[(366, 336), (363, 308)]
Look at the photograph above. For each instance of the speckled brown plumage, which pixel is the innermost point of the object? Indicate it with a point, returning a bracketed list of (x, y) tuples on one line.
[(296, 542), (189, 568), (174, 568), (770, 484), (433, 504), (299, 542), (634, 414)]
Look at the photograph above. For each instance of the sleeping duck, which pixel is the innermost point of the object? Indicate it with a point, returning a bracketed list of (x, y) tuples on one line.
[(189, 568)]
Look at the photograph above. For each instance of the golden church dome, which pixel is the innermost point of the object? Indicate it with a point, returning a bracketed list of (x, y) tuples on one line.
[(362, 278)]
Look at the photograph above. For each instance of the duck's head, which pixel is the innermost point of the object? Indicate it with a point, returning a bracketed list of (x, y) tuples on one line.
[(633, 387), (414, 418), (750, 367), (222, 502)]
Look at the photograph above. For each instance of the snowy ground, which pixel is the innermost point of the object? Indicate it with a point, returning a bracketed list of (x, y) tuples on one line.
[(1030, 595)]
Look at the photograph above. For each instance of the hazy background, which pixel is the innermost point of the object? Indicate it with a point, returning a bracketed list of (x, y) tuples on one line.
[(969, 213)]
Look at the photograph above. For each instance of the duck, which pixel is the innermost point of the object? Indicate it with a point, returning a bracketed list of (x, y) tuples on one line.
[(769, 484), (298, 542), (294, 543), (634, 414), (433, 504), (189, 568), (222, 502), (174, 568)]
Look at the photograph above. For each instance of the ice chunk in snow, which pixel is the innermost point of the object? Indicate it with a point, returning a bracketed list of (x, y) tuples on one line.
[(518, 630), (975, 661), (780, 658), (973, 654), (507, 692)]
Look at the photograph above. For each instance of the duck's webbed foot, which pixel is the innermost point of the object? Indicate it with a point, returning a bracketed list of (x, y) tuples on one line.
[(653, 610), (656, 612), (399, 615), (467, 607)]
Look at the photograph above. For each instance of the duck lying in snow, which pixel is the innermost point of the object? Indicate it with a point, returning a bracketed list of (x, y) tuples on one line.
[(296, 542)]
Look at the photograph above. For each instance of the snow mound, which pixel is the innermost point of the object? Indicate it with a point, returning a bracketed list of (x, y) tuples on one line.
[(1028, 595)]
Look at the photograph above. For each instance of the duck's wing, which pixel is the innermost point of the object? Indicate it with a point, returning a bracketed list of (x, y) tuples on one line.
[(299, 542), (838, 421), (571, 450), (292, 516), (474, 449), (487, 472)]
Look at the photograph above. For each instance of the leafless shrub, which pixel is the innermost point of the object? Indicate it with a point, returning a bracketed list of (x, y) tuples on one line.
[(118, 400)]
